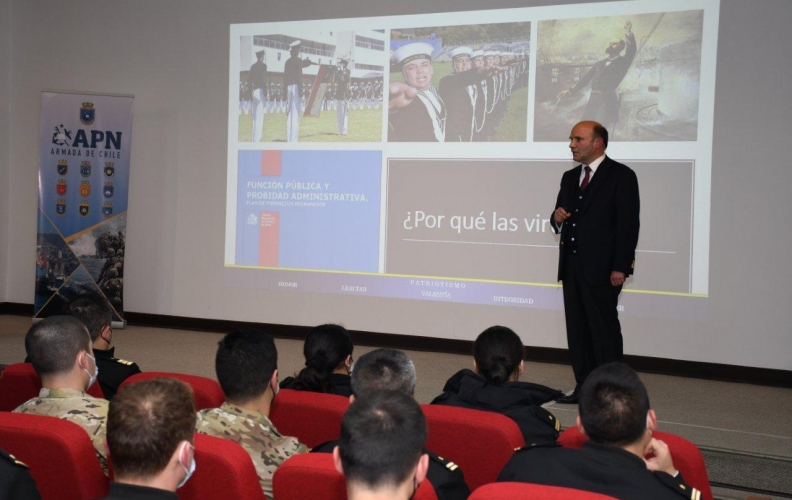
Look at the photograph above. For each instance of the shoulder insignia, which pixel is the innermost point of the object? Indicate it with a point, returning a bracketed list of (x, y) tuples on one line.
[(451, 466), (15, 461), (124, 362)]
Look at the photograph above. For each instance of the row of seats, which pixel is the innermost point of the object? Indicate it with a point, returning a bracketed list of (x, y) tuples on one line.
[(489, 439)]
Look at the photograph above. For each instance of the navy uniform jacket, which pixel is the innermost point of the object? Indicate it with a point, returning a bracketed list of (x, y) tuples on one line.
[(520, 401), (606, 224), (445, 476), (258, 76), (120, 491), (598, 468), (112, 371), (15, 479)]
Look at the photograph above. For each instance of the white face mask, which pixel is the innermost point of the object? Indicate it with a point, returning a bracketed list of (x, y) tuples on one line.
[(188, 472), (96, 372)]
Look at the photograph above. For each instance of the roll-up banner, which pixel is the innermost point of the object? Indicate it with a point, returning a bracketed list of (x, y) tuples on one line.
[(83, 178)]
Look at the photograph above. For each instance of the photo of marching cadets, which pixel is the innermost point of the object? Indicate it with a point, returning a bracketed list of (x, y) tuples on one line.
[(313, 87), (459, 83)]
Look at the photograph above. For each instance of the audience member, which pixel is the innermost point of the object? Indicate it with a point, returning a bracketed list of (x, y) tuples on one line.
[(15, 479), (150, 437), (59, 348), (616, 416), (381, 447), (393, 370), (247, 369), (493, 385), (95, 314), (328, 362)]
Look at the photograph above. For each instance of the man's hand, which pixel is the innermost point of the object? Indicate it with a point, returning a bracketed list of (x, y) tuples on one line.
[(560, 215), (660, 459), (401, 95), (617, 278)]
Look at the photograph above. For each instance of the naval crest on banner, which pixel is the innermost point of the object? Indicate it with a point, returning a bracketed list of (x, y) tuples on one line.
[(108, 190), (87, 113), (85, 189), (107, 208), (60, 207), (109, 169), (63, 167), (85, 169), (61, 187), (84, 208)]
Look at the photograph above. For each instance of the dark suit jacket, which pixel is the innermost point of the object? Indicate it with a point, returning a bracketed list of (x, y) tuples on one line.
[(607, 223)]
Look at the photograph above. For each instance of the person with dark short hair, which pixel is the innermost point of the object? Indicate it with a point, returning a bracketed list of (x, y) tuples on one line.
[(392, 370), (493, 385), (95, 313), (597, 212), (59, 348), (247, 369), (381, 450), (150, 437), (616, 416), (328, 362)]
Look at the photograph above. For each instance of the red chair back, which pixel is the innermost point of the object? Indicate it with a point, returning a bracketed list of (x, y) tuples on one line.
[(20, 382), (313, 418), (687, 457), (526, 491), (313, 475), (208, 393), (222, 470), (59, 453), (480, 442)]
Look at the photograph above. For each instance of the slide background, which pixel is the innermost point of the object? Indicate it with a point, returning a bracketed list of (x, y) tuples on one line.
[(174, 58)]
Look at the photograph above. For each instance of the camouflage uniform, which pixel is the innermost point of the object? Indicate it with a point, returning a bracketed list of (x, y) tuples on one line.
[(255, 433), (88, 412)]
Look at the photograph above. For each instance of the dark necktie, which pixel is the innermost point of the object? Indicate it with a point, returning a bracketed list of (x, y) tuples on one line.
[(586, 178)]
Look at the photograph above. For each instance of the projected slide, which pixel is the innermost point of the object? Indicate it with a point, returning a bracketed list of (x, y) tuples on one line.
[(419, 157)]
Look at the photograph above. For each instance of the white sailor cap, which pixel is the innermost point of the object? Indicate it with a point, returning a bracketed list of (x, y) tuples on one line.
[(488, 53), (295, 43), (477, 53), (413, 51), (460, 51)]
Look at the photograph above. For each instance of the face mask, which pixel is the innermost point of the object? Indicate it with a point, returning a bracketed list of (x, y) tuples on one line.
[(96, 372), (188, 473)]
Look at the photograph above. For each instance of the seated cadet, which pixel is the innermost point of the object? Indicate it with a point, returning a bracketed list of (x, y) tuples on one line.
[(15, 479), (60, 349), (381, 447), (247, 369), (494, 385), (95, 314), (150, 437), (615, 414), (392, 370), (328, 362)]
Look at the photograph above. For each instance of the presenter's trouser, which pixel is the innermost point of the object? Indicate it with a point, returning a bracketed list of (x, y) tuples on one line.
[(259, 105), (293, 111), (342, 115), (593, 329)]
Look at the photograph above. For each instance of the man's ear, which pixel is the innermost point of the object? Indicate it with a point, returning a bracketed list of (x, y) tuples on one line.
[(522, 367), (337, 461), (475, 366), (651, 420), (351, 398), (274, 380), (579, 425), (422, 468)]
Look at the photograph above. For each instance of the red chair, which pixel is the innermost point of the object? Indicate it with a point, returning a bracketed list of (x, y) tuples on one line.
[(20, 382), (687, 457), (59, 453), (480, 442), (312, 417), (526, 491), (208, 393), (222, 470), (313, 475)]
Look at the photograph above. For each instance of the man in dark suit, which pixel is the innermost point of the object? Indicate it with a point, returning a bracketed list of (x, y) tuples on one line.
[(597, 214)]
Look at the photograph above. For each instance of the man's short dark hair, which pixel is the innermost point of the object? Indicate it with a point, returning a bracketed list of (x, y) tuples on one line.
[(53, 343), (146, 422), (244, 364), (599, 131), (92, 310), (383, 369), (383, 435), (613, 405)]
